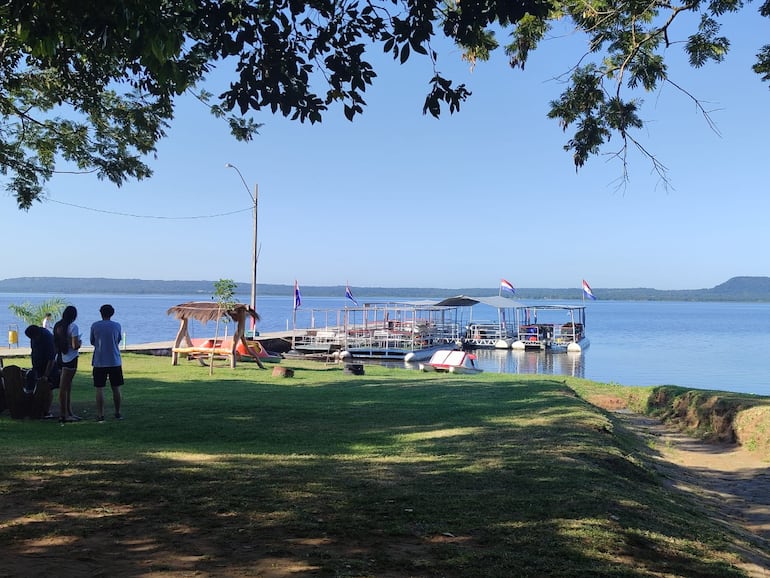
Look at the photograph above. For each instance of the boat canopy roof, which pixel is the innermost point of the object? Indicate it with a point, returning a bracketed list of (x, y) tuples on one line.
[(500, 302), (496, 301), (555, 306), (396, 304)]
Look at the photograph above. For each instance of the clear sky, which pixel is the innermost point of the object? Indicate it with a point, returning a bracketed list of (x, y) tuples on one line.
[(398, 199)]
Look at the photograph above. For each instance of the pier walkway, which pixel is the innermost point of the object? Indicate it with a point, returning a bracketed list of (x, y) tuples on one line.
[(274, 341)]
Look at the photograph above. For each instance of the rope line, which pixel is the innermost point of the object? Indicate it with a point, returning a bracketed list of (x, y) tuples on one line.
[(137, 216)]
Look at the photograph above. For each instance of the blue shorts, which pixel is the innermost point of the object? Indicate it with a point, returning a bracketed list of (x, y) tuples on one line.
[(115, 375)]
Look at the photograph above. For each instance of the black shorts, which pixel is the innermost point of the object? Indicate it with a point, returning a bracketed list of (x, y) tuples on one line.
[(115, 375), (73, 365), (53, 379)]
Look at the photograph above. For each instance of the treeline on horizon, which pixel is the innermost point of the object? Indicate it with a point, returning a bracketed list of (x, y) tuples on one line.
[(735, 289)]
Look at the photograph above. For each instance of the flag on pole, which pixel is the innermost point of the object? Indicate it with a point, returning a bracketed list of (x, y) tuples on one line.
[(587, 290), (297, 297), (349, 294), (507, 286)]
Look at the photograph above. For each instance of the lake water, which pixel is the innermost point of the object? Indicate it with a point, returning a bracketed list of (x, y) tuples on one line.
[(723, 346)]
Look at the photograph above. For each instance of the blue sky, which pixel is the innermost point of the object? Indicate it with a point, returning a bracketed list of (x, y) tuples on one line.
[(399, 199)]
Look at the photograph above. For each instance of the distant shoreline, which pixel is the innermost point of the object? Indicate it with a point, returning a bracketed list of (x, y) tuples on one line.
[(747, 289)]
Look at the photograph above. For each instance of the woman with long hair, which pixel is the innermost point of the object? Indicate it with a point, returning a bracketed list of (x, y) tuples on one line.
[(67, 340)]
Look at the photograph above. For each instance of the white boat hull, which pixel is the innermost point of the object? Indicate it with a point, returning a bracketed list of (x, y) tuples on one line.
[(571, 347), (451, 361), (420, 354), (391, 353), (464, 370), (578, 346)]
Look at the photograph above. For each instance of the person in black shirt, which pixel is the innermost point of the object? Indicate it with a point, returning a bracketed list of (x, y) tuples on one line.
[(44, 375)]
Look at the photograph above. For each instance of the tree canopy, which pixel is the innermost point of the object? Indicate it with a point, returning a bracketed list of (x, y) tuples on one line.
[(90, 85)]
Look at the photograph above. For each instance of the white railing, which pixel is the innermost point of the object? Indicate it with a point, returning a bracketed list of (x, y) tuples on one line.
[(488, 333)]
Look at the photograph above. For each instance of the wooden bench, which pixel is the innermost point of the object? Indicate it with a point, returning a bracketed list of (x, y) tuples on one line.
[(203, 353)]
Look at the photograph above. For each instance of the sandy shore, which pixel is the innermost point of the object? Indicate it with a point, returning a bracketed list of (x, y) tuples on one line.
[(731, 483)]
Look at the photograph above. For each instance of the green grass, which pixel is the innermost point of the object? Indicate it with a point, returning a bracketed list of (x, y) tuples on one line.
[(393, 473)]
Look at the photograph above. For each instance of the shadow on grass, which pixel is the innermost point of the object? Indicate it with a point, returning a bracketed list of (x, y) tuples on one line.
[(370, 476)]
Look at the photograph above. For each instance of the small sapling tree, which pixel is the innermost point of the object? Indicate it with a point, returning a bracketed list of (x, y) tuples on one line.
[(224, 294)]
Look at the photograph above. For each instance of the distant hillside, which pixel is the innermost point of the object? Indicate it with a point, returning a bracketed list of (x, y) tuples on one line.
[(743, 288), (735, 289), (74, 285)]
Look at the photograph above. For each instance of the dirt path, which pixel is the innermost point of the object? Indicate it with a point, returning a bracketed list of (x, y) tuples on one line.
[(731, 483)]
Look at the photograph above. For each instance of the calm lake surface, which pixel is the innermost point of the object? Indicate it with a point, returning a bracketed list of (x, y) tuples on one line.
[(723, 346)]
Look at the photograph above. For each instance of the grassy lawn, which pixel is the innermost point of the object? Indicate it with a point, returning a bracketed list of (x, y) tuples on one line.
[(393, 473)]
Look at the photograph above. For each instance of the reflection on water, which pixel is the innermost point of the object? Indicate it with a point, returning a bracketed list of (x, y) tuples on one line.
[(533, 361)]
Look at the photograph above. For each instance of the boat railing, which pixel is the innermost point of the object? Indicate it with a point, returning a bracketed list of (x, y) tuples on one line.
[(445, 333), (402, 336), (536, 334), (488, 332), (393, 326), (569, 333), (320, 337), (387, 339)]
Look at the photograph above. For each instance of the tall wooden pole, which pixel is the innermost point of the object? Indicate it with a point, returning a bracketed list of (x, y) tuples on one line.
[(254, 255)]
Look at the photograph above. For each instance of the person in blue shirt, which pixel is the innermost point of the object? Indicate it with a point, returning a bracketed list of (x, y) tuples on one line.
[(107, 364)]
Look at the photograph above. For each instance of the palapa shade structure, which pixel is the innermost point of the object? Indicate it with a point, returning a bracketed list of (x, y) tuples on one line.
[(205, 311)]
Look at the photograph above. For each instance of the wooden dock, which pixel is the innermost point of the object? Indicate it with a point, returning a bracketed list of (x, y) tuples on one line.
[(279, 341)]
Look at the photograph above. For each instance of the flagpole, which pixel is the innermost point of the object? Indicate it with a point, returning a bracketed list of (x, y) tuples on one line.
[(294, 316), (297, 302)]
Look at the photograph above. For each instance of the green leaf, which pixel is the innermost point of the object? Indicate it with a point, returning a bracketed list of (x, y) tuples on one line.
[(404, 53)]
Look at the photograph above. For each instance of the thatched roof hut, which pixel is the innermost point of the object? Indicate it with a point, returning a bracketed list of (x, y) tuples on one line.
[(205, 311)]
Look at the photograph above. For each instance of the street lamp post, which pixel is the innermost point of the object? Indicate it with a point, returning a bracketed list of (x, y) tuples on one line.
[(254, 253)]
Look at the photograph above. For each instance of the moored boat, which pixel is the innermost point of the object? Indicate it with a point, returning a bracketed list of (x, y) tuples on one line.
[(497, 334), (408, 331), (452, 361), (552, 334), (411, 331)]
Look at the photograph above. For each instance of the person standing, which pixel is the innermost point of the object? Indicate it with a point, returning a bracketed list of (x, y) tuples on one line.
[(48, 322), (43, 378), (67, 340), (107, 364)]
